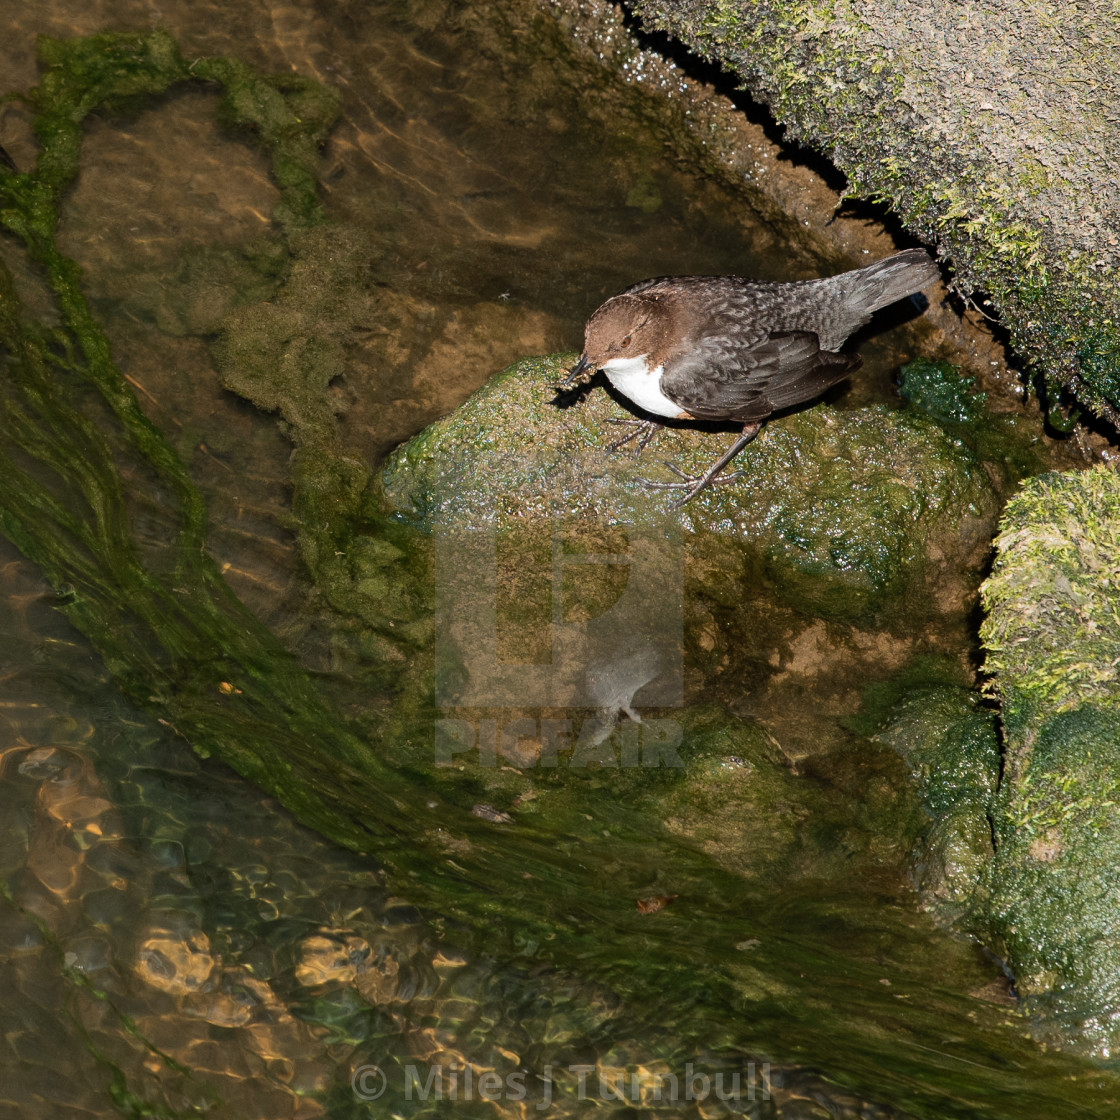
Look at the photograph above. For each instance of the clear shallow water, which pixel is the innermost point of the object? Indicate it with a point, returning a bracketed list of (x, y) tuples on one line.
[(177, 939)]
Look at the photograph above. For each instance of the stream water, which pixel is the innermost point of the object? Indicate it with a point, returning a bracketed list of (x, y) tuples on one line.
[(174, 941)]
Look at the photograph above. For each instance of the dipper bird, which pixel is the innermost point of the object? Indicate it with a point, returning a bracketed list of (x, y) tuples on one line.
[(723, 348)]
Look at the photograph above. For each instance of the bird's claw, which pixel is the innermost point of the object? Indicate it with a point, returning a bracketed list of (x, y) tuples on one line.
[(641, 430), (693, 484)]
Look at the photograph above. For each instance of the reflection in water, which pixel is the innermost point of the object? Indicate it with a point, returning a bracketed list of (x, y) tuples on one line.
[(177, 943)]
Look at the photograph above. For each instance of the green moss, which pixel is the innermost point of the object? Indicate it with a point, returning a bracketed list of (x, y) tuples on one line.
[(949, 742), (1003, 441), (1072, 781), (940, 390), (880, 698), (950, 745), (842, 503), (1030, 867), (1098, 360), (173, 635), (1052, 642), (1054, 893), (1052, 632), (1064, 318)]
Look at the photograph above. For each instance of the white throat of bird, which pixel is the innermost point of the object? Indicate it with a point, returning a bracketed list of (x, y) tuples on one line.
[(633, 378)]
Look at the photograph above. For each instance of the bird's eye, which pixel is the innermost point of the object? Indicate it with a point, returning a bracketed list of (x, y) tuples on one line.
[(625, 342)]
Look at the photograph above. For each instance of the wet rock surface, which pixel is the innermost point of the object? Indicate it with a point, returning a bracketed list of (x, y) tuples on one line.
[(949, 742), (848, 505), (1023, 837), (811, 843)]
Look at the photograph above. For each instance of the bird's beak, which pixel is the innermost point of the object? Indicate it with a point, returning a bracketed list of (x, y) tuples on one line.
[(577, 371)]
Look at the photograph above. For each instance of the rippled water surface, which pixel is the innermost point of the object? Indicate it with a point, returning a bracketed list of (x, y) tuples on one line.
[(174, 943)]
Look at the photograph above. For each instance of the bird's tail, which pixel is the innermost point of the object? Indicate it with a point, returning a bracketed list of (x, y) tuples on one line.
[(880, 284)]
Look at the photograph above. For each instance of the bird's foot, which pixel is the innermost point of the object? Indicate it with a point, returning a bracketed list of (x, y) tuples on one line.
[(714, 474), (641, 430), (692, 483)]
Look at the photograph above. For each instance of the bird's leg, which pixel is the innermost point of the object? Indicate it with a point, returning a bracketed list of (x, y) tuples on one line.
[(641, 430), (695, 485)]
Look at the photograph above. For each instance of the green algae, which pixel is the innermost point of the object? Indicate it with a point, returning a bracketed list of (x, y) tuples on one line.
[(879, 698), (950, 744), (282, 354), (1022, 844), (1052, 884), (940, 390), (173, 635), (208, 284), (844, 504), (1004, 441), (171, 632), (181, 647), (1050, 638)]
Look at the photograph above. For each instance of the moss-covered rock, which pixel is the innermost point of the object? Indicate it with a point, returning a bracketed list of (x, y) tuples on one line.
[(950, 745), (1020, 195), (1052, 634), (184, 650), (699, 773), (848, 506), (1007, 441), (1022, 851), (1052, 637)]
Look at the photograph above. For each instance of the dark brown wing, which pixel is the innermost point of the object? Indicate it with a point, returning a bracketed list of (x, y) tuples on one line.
[(748, 376)]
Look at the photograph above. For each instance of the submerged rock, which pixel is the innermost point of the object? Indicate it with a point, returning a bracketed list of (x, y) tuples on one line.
[(1052, 637), (847, 505)]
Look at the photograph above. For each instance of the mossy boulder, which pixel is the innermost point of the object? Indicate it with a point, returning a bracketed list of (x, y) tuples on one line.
[(949, 742), (1052, 636), (1021, 850), (848, 506)]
